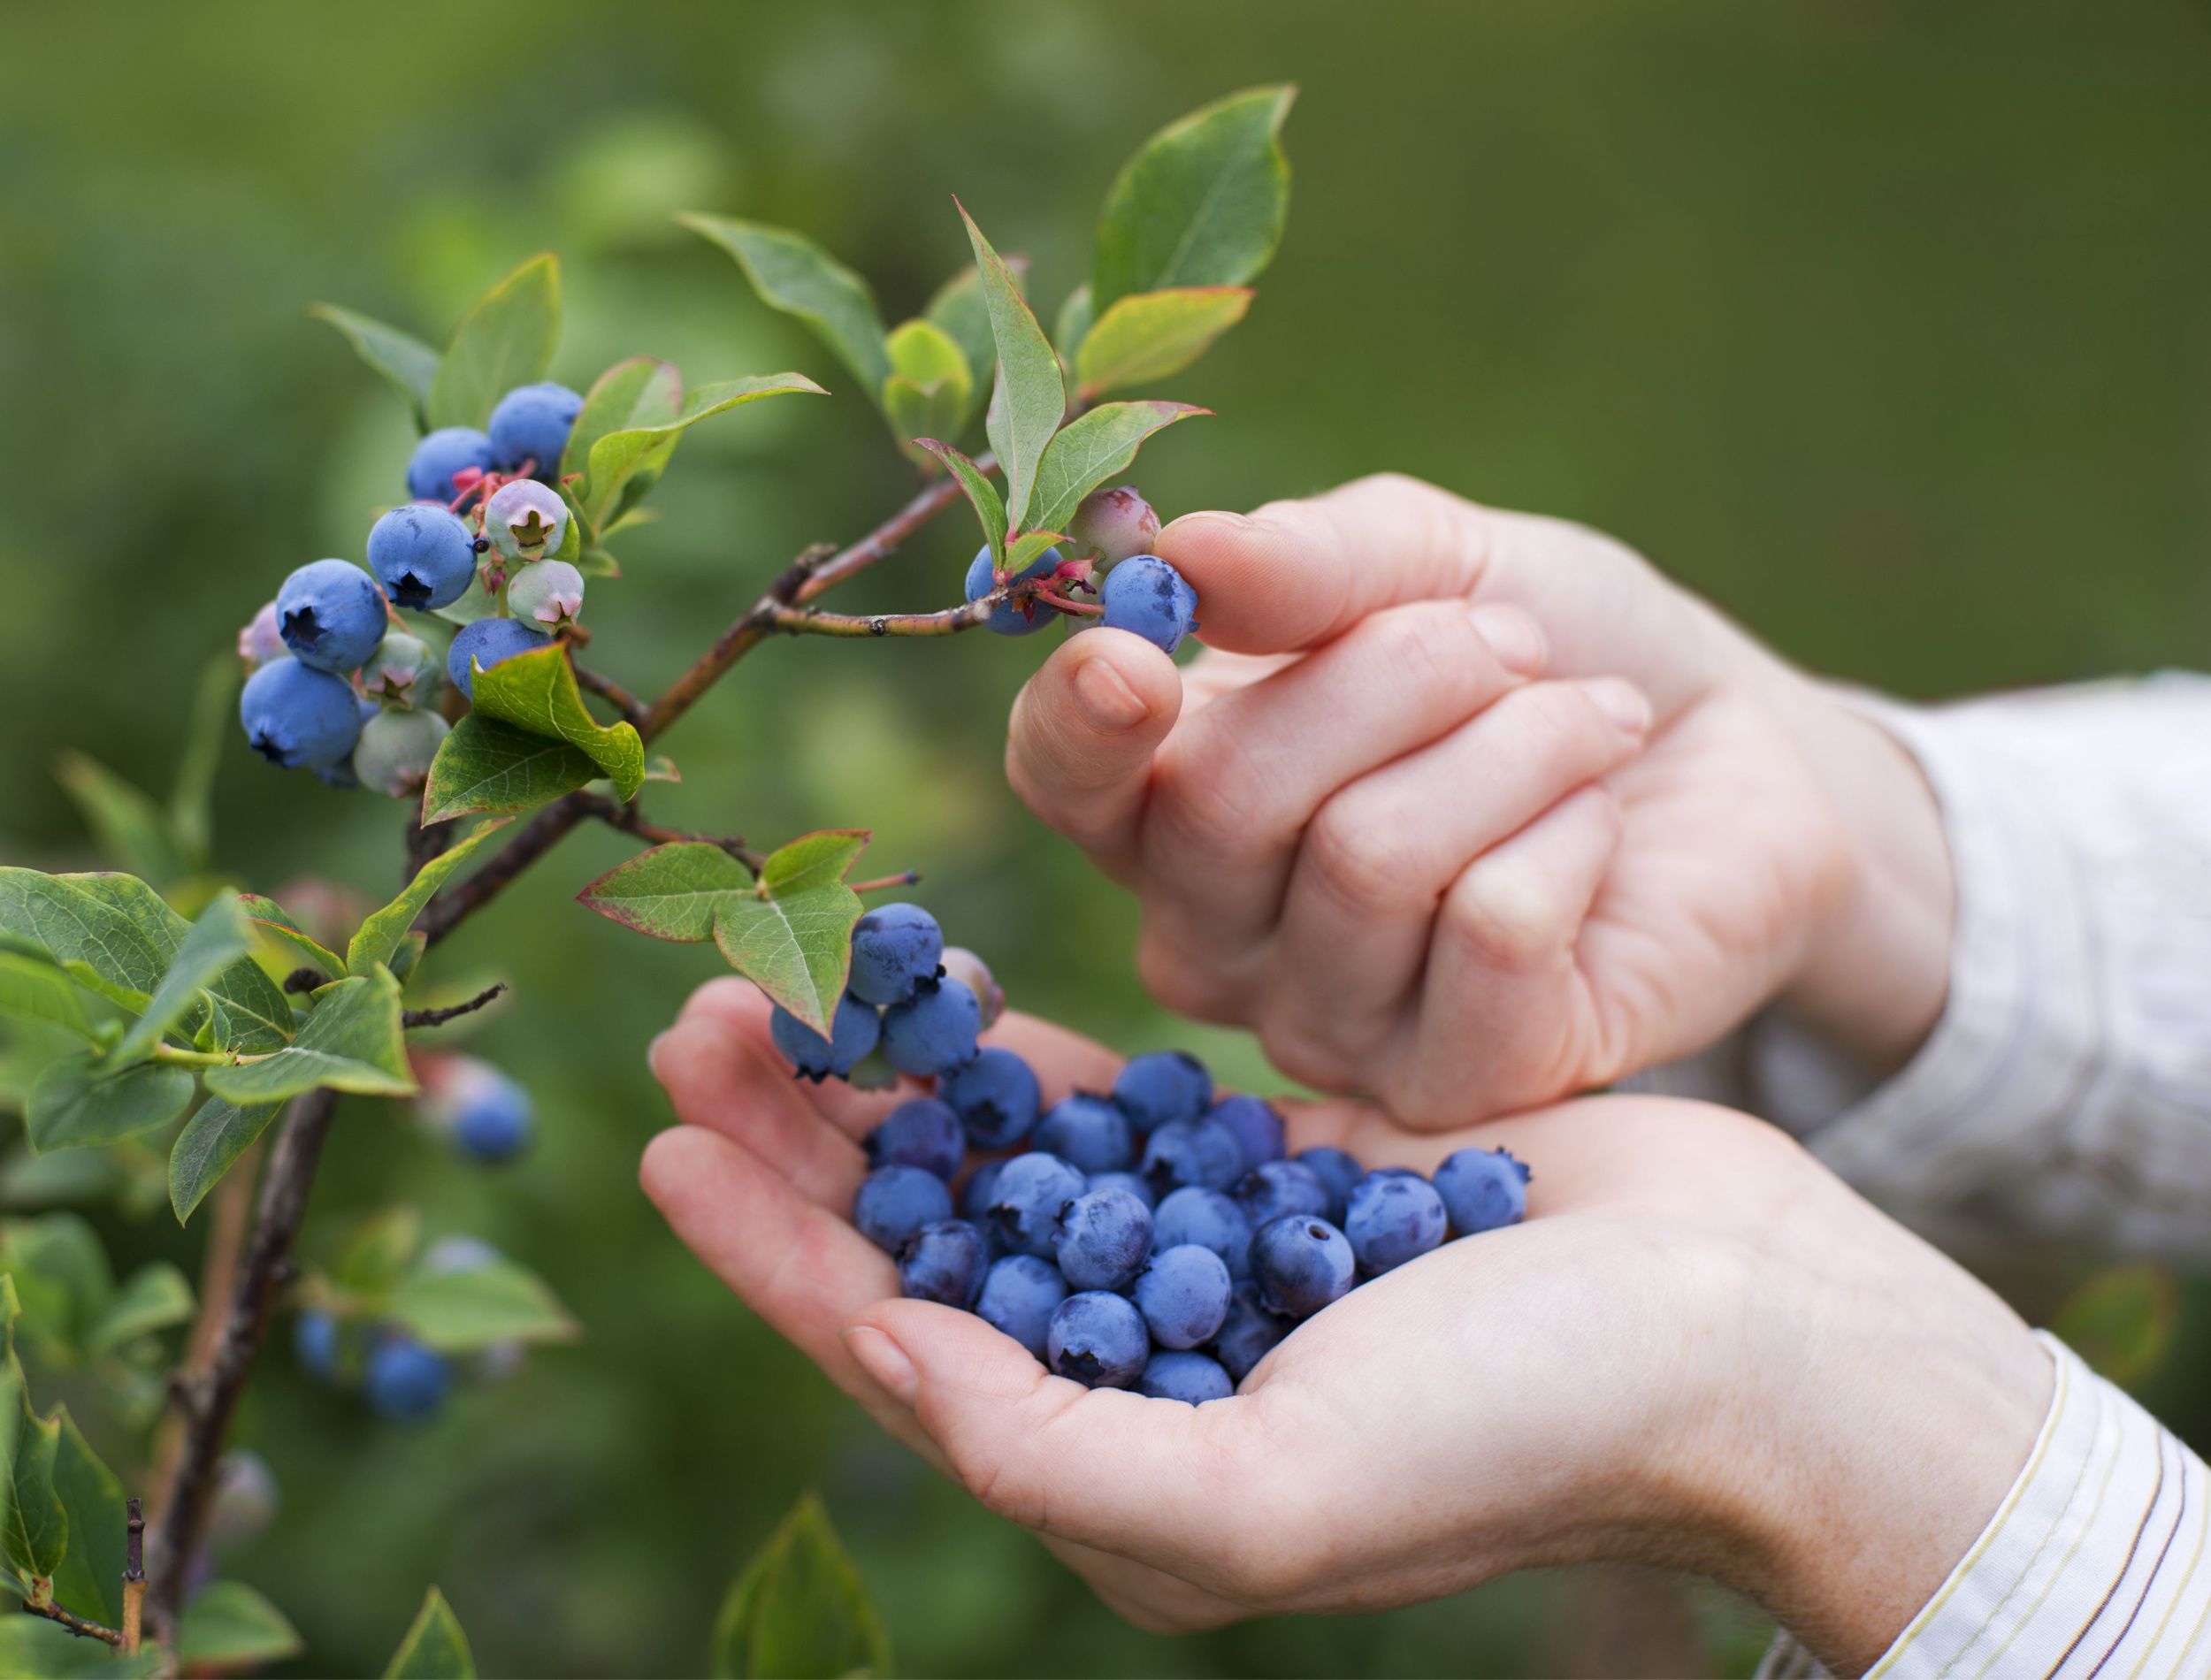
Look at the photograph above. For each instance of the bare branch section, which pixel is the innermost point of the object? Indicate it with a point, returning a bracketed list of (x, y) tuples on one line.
[(805, 621), (451, 1013), (76, 1624)]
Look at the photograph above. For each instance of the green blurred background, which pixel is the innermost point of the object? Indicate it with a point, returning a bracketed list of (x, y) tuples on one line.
[(1882, 325)]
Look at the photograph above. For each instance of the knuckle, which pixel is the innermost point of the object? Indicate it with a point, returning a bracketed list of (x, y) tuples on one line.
[(1364, 857), (1185, 982), (1301, 1054), (1506, 918)]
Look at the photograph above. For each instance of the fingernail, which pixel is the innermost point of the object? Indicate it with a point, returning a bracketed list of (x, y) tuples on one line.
[(653, 1052), (1620, 700), (1112, 706), (884, 1362), (1513, 635)]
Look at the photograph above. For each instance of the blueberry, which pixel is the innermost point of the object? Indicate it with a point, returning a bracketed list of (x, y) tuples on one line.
[(1299, 1264), (943, 1262), (933, 1031), (1393, 1217), (975, 1195), (295, 716), (972, 972), (1184, 1295), (894, 1202), (1247, 1334), (1011, 618), (1031, 1194), (996, 1096), (529, 428), (316, 1343), (1098, 1338), (1211, 1221), (1118, 524), (1201, 1152), (487, 642), (260, 641), (923, 1132), (424, 556), (1163, 1086), (1018, 1297), (438, 457), (1192, 1378), (331, 615), (895, 947), (450, 1254), (1276, 1187), (1105, 1239), (550, 593), (338, 775), (1120, 1180), (1336, 1169), (493, 1119), (1148, 598), (526, 522), (1257, 1127), (396, 750), (405, 1381), (853, 1031), (1089, 1131), (1483, 1189)]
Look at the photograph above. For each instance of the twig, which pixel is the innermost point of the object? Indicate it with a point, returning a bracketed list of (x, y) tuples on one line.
[(805, 621), (629, 820), (883, 540), (232, 1201), (133, 1574), (425, 842), (882, 884), (76, 1624), (631, 708), (453, 1012)]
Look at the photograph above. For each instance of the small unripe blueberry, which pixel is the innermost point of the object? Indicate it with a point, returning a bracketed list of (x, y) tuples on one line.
[(550, 593), (932, 1032), (854, 1031), (444, 452), (1193, 1378), (1009, 617), (331, 615), (295, 716), (895, 947), (525, 520), (1118, 524), (424, 556), (529, 428), (260, 641), (996, 1096), (402, 671), (487, 642), (396, 750), (405, 1381)]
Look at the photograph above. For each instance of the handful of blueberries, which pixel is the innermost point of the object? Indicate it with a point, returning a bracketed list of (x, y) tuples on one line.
[(1158, 1237)]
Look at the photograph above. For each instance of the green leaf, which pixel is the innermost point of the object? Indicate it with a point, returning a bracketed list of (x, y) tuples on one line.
[(458, 1312), (378, 1250), (211, 1143), (128, 825), (90, 1580), (1031, 399), (2121, 1321), (378, 938), (80, 1100), (229, 1626), (487, 766), (191, 802), (643, 391), (34, 990), (800, 1610), (796, 946), (112, 933), (33, 1648), (352, 1042), (672, 891), (798, 277), (620, 458), (1096, 447), (216, 941), (959, 309), (154, 1297), (505, 340), (274, 923), (536, 691), (35, 1533), (1152, 335), (403, 359), (813, 860), (63, 1280), (1073, 328), (435, 1648), (990, 512), (1202, 203), (1027, 546), (408, 954)]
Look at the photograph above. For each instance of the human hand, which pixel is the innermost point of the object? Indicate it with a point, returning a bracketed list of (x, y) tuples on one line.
[(1698, 1337), (1472, 810)]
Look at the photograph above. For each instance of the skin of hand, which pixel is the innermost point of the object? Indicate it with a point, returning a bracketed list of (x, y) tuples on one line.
[(1469, 811), (1700, 1350)]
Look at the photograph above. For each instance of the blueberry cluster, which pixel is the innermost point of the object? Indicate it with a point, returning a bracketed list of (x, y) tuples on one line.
[(337, 684), (1159, 1236), (485, 1114), (1142, 593), (398, 1376)]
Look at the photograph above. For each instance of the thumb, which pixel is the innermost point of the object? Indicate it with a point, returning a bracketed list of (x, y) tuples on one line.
[(1078, 748)]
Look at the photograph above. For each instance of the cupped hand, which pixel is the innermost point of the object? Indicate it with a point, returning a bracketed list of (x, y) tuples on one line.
[(1470, 810), (1698, 1337)]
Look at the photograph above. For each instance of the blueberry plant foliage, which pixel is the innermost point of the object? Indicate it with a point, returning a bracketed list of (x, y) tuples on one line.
[(171, 1035)]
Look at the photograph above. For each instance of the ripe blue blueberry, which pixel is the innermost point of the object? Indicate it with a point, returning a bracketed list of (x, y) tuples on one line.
[(1011, 618), (1118, 524), (331, 615), (444, 452), (933, 1031), (405, 1381), (492, 1117), (1393, 1217), (450, 1254), (895, 947), (1482, 1190), (1257, 1127), (295, 716), (1208, 1218), (1019, 1296), (549, 594), (894, 1202), (1098, 1338), (530, 427), (526, 522), (1336, 1169), (1276, 1187), (1201, 1152), (487, 642), (339, 776), (996, 1096), (396, 750), (975, 1195), (943, 1262), (1120, 1180), (424, 556), (1162, 1086), (1299, 1264), (853, 1031), (1030, 1196), (1148, 598), (923, 1132), (315, 1343), (1089, 1131), (1192, 1378), (1247, 1334), (1184, 1295), (1105, 1238)]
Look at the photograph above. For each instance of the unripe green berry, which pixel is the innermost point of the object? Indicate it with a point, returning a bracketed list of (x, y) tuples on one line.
[(1118, 524), (525, 520), (402, 672), (549, 594), (395, 750)]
